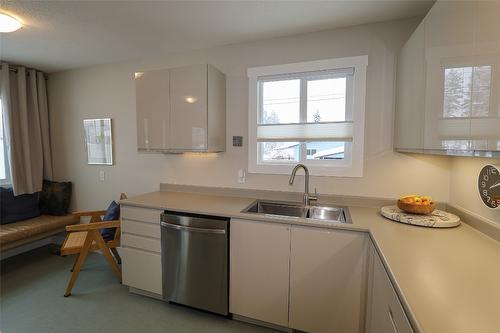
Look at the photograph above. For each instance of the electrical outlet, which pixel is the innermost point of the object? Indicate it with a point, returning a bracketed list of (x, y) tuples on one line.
[(102, 175)]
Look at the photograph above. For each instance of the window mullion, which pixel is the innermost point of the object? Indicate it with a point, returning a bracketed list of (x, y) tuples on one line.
[(303, 116), (303, 100), (260, 106), (303, 152)]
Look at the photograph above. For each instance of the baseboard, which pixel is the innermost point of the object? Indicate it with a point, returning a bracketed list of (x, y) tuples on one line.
[(262, 323), (145, 293)]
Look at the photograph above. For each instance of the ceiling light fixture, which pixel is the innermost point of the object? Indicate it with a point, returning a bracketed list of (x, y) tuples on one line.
[(9, 23)]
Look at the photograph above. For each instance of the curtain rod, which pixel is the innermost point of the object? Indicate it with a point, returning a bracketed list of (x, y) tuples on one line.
[(14, 69)]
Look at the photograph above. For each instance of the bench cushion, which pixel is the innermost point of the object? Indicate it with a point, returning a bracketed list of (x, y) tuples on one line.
[(25, 229), (17, 208)]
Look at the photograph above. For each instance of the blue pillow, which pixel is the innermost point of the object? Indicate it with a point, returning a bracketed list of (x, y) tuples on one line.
[(17, 208), (112, 213)]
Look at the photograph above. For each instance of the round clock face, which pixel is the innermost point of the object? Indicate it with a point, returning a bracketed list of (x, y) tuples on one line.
[(489, 186)]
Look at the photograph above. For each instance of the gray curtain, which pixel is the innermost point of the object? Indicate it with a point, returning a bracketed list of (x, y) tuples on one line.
[(26, 127)]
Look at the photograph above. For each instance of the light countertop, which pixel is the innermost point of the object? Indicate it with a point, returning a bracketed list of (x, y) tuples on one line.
[(448, 279)]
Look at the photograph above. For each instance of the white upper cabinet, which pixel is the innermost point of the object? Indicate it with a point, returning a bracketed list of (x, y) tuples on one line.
[(448, 98), (409, 129), (189, 107), (181, 109), (449, 50), (485, 129), (153, 109)]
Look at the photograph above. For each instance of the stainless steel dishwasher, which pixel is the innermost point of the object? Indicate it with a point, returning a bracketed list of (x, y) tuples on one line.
[(194, 252)]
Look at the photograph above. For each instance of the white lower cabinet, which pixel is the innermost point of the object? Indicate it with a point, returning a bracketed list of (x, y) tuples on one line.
[(141, 270), (305, 278), (141, 249), (259, 270), (385, 313), (327, 284)]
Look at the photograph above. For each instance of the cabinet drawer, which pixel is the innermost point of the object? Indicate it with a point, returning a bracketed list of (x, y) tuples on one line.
[(141, 214), (143, 243), (141, 270), (141, 228)]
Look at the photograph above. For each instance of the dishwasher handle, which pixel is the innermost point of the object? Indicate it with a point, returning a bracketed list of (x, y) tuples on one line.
[(192, 229)]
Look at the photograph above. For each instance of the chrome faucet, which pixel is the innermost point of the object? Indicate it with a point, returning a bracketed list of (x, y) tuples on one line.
[(307, 197)]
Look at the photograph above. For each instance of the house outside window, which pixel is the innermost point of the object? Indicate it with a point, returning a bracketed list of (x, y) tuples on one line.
[(310, 113)]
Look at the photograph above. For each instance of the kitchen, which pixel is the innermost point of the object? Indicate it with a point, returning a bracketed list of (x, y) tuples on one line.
[(212, 152)]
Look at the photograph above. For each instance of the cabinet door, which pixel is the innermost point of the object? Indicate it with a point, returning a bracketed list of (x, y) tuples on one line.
[(450, 75), (409, 127), (327, 280), (141, 270), (188, 88), (216, 109), (259, 270), (485, 126), (152, 109), (385, 313)]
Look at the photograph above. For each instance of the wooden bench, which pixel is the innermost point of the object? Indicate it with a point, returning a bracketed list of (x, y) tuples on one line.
[(22, 233)]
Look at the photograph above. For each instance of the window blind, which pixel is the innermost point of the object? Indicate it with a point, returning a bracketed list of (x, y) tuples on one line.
[(332, 131)]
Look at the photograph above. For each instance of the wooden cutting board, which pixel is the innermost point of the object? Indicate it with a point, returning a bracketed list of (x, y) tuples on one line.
[(437, 219)]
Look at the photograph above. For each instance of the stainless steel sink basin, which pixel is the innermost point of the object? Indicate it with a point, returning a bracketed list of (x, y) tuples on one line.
[(327, 213), (277, 208), (293, 209)]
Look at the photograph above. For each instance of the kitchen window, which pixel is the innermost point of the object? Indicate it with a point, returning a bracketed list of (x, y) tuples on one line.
[(310, 113)]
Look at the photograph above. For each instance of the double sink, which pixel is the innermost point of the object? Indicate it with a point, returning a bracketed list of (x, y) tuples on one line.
[(328, 213)]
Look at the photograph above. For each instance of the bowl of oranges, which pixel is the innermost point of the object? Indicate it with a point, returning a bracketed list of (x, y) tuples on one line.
[(416, 204)]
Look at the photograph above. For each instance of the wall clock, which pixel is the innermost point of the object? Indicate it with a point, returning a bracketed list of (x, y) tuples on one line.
[(489, 185)]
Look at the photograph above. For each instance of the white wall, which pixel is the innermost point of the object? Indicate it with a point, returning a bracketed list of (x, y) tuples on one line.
[(108, 91), (463, 186)]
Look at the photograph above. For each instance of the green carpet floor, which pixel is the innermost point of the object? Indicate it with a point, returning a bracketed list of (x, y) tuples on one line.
[(31, 300)]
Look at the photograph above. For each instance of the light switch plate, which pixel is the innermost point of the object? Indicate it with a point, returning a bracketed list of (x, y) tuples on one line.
[(237, 141)]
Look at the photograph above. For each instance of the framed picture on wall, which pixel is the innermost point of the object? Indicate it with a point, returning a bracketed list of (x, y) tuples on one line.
[(98, 141)]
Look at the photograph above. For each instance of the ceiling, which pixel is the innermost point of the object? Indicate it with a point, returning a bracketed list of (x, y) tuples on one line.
[(60, 35)]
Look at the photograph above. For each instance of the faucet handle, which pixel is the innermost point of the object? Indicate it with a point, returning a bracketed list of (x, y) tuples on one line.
[(315, 196)]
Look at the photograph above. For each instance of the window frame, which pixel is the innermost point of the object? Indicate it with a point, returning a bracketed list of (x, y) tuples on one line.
[(347, 167), (7, 180)]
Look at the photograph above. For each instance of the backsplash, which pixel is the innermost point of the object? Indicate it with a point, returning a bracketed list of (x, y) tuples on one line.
[(463, 186)]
